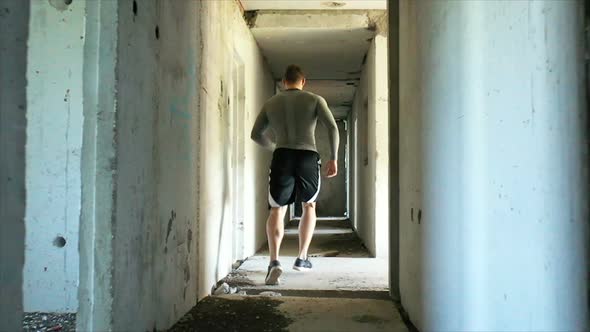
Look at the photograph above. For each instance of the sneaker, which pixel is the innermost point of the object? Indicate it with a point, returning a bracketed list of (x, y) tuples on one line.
[(302, 265), (274, 272)]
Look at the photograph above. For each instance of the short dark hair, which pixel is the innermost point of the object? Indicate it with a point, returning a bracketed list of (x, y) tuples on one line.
[(293, 74)]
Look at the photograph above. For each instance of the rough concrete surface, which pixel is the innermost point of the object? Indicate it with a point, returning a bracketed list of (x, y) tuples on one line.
[(314, 4), (493, 181), (351, 270), (314, 40), (154, 255), (14, 20), (283, 313), (341, 315), (329, 273), (343, 293), (234, 313), (55, 61), (370, 155), (234, 170)]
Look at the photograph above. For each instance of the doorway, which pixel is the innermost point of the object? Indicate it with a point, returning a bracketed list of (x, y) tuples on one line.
[(237, 112), (332, 203)]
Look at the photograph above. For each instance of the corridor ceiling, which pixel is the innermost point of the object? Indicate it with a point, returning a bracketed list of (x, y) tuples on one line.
[(329, 46), (312, 4), (323, 53)]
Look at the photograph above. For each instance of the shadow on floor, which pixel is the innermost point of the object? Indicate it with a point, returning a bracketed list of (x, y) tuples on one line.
[(330, 236)]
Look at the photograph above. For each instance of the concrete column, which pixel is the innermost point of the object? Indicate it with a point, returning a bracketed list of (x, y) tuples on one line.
[(14, 20), (98, 168), (54, 144), (370, 113), (493, 176)]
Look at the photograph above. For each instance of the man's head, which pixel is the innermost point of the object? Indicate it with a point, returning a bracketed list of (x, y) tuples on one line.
[(294, 78)]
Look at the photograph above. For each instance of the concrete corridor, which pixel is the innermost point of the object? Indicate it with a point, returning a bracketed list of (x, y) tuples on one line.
[(347, 291), (130, 189)]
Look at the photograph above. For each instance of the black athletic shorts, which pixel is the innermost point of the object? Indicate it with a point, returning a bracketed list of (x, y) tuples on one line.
[(294, 177)]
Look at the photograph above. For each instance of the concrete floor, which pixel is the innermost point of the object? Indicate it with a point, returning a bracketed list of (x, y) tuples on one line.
[(351, 270), (347, 292), (261, 313)]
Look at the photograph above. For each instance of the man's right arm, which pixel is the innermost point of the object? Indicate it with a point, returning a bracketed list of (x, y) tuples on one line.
[(258, 130), (325, 116)]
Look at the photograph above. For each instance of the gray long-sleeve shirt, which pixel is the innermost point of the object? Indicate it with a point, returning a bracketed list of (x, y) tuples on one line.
[(292, 116)]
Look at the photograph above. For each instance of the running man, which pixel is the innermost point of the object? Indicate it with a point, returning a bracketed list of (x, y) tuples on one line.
[(292, 116)]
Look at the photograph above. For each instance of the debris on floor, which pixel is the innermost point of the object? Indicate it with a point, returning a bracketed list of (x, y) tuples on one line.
[(330, 253), (222, 289), (225, 289), (237, 264), (234, 313), (49, 322), (238, 279), (270, 294)]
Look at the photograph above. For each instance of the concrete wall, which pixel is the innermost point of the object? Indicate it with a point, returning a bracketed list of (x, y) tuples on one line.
[(587, 57), (369, 123), (225, 38), (54, 143), (154, 255), (159, 215), (14, 21), (99, 169), (493, 192)]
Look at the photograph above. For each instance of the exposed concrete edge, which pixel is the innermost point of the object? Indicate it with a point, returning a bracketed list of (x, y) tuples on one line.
[(375, 20), (405, 316), (98, 167), (377, 294), (14, 23)]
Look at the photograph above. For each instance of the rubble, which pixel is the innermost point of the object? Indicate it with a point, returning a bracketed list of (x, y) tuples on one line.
[(49, 322), (222, 289), (329, 253)]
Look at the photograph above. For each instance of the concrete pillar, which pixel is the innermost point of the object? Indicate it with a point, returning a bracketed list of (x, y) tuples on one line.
[(369, 127), (14, 20), (54, 144), (493, 176), (98, 168)]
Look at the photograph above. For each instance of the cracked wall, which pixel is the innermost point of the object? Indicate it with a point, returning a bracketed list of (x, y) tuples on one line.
[(157, 141), (227, 42), (175, 225)]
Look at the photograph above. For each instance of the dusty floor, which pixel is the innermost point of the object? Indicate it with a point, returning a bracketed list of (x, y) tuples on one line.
[(346, 292), (305, 314), (329, 235), (351, 270)]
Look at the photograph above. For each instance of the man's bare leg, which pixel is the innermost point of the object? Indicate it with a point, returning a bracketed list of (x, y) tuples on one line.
[(275, 230), (306, 228), (274, 233)]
